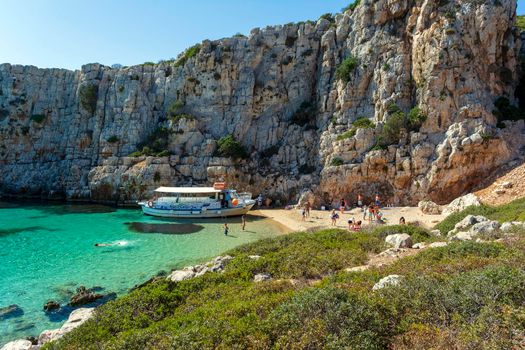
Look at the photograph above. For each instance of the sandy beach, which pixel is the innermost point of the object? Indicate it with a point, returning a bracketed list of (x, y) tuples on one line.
[(321, 218)]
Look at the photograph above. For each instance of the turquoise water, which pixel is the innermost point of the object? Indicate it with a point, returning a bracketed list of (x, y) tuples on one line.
[(47, 251)]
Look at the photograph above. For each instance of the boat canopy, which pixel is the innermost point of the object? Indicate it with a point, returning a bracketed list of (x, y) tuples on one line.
[(187, 190)]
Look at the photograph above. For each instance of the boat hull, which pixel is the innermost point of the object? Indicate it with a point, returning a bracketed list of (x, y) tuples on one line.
[(211, 213)]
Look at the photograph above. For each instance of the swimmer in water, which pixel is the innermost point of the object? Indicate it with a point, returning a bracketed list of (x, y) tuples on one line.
[(110, 244)]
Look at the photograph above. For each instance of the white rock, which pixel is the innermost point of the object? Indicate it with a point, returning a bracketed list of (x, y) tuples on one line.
[(429, 207), (262, 277), (507, 184), (437, 244), (399, 240), (20, 344), (181, 275), (391, 280), (461, 203), (420, 245), (254, 257), (462, 236), (484, 227), (75, 319), (507, 227), (435, 233)]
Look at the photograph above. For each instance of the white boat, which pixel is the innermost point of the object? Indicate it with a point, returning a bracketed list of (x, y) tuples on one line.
[(197, 202)]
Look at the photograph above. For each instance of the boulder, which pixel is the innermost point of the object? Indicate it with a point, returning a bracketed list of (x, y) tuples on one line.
[(306, 196), (20, 344), (181, 275), (262, 277), (84, 296), (436, 233), (461, 236), (75, 319), (508, 227), (429, 207), (399, 240), (420, 245), (254, 257), (10, 312), (485, 227), (391, 280), (461, 203), (51, 305), (472, 226)]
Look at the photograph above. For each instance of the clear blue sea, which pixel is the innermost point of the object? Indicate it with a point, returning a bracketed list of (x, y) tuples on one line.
[(48, 250)]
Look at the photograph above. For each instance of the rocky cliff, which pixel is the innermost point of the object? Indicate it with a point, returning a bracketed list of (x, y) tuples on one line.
[(425, 74)]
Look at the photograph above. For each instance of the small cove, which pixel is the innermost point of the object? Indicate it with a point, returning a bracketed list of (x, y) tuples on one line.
[(48, 250)]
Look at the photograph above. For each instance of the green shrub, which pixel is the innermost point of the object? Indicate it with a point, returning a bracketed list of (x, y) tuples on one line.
[(88, 95), (229, 147), (351, 6), (336, 161), (330, 318), (148, 63), (416, 118), (359, 123), (156, 144), (186, 55), (329, 17), (38, 118), (520, 22), (113, 139), (305, 114), (175, 107), (344, 70), (397, 122), (347, 134)]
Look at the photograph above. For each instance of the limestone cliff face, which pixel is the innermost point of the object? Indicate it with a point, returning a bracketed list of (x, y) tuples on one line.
[(69, 134)]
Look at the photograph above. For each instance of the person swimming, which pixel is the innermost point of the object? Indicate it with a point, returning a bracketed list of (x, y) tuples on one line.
[(110, 244)]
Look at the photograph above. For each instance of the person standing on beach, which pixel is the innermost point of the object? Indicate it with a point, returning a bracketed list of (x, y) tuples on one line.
[(307, 208), (378, 200), (303, 214), (343, 205), (334, 216), (243, 221), (226, 229), (359, 200)]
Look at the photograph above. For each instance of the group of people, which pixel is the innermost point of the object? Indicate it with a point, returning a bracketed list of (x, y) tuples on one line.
[(243, 225), (353, 224)]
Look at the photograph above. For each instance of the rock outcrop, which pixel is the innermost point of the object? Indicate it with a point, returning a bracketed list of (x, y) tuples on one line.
[(69, 134), (399, 240)]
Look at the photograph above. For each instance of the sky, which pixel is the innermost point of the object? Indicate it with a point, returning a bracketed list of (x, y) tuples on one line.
[(70, 33)]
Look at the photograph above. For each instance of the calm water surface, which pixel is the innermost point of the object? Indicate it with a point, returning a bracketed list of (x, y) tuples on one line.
[(46, 251)]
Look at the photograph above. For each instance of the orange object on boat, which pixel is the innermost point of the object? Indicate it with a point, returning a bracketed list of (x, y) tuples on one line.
[(219, 185), (235, 201)]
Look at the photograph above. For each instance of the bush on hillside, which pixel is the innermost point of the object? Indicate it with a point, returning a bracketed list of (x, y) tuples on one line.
[(351, 6), (229, 147), (397, 123), (344, 71), (186, 55), (88, 95), (360, 123), (156, 144)]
